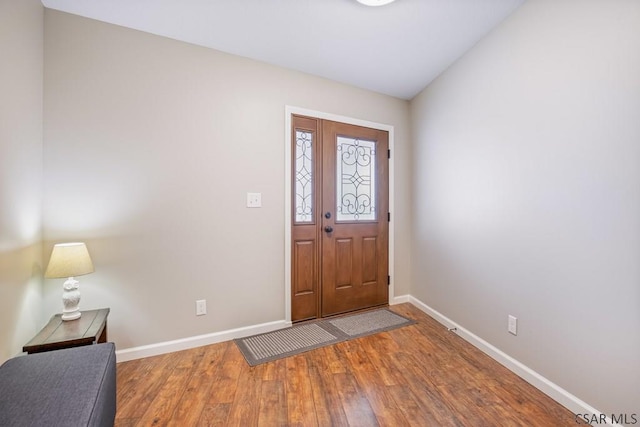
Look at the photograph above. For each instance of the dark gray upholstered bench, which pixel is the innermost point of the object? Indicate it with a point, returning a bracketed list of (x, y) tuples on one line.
[(70, 387)]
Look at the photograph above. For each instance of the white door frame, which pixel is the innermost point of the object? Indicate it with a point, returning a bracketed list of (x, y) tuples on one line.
[(289, 110)]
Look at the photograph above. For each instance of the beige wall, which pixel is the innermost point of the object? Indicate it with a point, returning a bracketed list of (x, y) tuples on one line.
[(527, 180), (21, 54), (150, 148)]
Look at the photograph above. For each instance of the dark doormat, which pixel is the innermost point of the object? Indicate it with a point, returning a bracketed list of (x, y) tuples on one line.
[(297, 339)]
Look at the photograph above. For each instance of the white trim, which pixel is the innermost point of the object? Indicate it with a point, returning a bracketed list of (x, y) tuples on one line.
[(289, 110), (400, 299), (554, 391), (197, 341)]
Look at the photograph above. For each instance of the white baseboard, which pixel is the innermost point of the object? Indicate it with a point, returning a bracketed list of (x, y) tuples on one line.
[(549, 388), (400, 299), (197, 341)]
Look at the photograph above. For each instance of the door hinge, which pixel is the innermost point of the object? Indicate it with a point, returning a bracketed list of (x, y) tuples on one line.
[(388, 280), (388, 216), (388, 154)]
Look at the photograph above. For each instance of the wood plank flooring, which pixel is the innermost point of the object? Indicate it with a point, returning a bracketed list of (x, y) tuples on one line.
[(419, 375)]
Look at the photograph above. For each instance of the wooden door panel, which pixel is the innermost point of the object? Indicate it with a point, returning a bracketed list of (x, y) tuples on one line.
[(304, 275), (370, 260), (344, 263), (363, 262), (304, 268), (349, 285)]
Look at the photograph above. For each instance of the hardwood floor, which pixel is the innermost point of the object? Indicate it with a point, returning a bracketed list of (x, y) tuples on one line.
[(419, 375)]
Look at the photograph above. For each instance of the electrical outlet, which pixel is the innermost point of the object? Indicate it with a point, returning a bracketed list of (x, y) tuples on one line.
[(513, 325), (254, 200), (201, 307)]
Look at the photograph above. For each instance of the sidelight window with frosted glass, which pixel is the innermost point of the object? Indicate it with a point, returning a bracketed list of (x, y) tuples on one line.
[(304, 177)]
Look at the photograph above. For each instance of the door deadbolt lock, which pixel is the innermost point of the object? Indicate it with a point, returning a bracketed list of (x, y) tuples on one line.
[(327, 215)]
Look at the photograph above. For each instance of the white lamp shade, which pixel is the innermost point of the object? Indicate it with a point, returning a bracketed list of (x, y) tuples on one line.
[(69, 260)]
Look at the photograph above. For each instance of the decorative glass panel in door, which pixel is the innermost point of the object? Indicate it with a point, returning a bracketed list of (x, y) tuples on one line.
[(355, 179), (304, 176)]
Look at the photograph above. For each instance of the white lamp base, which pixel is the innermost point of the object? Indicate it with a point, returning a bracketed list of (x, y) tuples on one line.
[(71, 316), (71, 299)]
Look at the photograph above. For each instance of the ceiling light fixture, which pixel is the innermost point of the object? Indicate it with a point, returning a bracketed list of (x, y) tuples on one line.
[(375, 2)]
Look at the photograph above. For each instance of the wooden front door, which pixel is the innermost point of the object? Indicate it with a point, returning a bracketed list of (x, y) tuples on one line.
[(340, 223)]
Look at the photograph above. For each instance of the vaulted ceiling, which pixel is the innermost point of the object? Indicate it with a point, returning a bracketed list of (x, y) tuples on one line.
[(397, 49)]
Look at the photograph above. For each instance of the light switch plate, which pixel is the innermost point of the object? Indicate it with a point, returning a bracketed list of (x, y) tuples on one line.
[(254, 200), (201, 307), (513, 325)]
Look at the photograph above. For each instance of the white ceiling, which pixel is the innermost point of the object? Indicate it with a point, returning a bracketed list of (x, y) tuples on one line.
[(396, 49)]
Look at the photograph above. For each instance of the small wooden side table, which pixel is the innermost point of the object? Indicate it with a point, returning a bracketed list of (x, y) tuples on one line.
[(90, 328)]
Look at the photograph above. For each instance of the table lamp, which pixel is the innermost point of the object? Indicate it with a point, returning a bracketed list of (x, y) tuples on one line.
[(69, 260)]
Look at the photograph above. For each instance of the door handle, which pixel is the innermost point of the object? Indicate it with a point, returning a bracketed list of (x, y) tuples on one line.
[(328, 229)]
